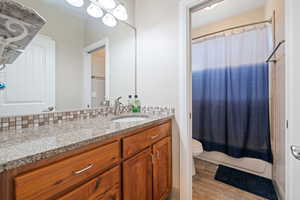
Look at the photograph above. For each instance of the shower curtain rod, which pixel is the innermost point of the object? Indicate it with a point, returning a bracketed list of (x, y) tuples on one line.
[(232, 28)]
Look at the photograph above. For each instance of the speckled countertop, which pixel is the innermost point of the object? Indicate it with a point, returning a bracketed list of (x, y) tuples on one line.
[(25, 146)]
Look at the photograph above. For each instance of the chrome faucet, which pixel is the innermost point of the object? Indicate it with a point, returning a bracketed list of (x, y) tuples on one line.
[(117, 107)]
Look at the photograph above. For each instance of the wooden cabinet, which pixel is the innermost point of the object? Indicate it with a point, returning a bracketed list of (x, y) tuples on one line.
[(132, 166), (148, 175), (140, 141), (137, 177), (162, 165), (47, 181), (106, 186), (112, 194)]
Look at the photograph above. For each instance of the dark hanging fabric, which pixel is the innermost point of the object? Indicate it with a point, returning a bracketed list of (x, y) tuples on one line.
[(231, 110)]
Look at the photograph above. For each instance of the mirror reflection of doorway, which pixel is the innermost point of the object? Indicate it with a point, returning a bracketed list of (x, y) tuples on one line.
[(98, 76), (96, 73)]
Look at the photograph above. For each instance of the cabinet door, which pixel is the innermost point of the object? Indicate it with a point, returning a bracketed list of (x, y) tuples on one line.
[(137, 177), (162, 169)]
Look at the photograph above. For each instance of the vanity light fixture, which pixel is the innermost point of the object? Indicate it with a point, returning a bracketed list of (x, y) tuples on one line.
[(94, 11), (76, 3), (109, 10), (109, 20), (120, 13), (107, 4)]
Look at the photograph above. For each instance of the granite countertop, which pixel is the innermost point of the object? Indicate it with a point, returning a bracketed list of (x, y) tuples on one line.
[(25, 146)]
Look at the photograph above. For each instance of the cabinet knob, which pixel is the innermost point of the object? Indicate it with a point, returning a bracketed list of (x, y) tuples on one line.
[(97, 184)]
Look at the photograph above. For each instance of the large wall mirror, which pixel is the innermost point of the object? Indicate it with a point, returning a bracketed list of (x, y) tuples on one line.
[(74, 62)]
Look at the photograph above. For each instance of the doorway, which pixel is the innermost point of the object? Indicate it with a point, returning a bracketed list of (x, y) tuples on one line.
[(185, 110), (98, 76), (96, 73)]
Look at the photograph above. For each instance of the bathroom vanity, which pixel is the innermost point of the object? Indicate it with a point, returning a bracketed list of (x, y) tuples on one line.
[(129, 161)]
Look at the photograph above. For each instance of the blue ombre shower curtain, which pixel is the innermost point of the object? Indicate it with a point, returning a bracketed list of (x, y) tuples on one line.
[(231, 93)]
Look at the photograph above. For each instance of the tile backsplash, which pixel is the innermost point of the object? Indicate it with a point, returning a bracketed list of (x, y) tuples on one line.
[(37, 120)]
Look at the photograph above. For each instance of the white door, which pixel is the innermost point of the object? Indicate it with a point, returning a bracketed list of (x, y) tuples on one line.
[(30, 80), (293, 97)]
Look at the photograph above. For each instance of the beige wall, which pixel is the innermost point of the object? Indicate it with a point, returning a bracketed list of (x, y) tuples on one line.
[(68, 32), (246, 18)]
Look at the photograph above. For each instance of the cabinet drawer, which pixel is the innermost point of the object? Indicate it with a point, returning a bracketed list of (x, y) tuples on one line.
[(140, 141), (97, 188), (45, 182)]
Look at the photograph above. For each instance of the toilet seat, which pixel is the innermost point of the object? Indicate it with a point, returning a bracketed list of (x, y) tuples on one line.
[(196, 147)]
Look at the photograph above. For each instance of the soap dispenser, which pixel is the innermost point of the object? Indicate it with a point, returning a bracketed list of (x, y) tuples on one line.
[(136, 105)]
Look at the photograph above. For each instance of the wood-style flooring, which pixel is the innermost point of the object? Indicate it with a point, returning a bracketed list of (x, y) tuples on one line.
[(205, 187)]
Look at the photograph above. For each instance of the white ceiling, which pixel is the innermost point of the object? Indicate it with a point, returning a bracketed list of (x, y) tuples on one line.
[(225, 9)]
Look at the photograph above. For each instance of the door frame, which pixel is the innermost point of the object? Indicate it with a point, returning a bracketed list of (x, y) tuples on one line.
[(185, 94), (87, 71)]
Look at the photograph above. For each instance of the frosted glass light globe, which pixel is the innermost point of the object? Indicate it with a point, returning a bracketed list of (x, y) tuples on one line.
[(94, 11), (76, 3), (109, 20), (120, 13), (107, 4)]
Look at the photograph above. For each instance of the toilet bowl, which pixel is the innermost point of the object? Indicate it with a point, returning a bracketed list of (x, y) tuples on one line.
[(197, 149)]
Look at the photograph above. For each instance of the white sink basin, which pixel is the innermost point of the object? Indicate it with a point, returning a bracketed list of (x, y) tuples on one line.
[(130, 118)]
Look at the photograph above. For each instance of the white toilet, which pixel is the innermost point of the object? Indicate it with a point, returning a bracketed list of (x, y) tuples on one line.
[(197, 150)]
